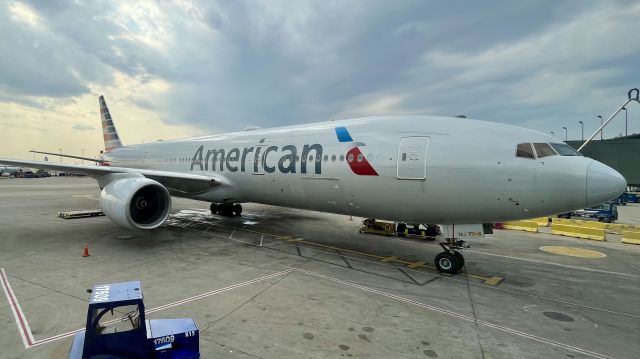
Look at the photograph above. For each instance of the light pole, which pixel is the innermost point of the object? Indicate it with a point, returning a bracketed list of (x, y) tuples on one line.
[(602, 129), (82, 151), (582, 125), (566, 136), (60, 149), (552, 133), (626, 126)]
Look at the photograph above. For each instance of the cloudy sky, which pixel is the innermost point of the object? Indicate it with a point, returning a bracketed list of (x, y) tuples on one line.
[(181, 68)]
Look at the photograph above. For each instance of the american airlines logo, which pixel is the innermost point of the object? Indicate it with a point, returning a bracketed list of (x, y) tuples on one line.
[(355, 158), (270, 158), (267, 158)]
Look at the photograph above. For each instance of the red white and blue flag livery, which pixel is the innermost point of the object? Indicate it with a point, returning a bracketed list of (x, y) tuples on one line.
[(355, 158)]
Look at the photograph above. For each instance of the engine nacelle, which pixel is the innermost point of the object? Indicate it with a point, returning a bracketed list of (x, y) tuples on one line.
[(136, 202)]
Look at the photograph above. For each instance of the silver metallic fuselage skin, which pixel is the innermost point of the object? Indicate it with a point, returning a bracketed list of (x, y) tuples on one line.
[(472, 172)]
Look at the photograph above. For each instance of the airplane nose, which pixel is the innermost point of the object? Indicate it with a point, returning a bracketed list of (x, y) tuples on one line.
[(603, 183)]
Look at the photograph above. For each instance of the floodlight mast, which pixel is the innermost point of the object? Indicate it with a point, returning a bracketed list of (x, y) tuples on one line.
[(632, 95)]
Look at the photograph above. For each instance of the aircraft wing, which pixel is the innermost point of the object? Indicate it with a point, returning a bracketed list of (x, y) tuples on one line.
[(178, 183), (70, 156)]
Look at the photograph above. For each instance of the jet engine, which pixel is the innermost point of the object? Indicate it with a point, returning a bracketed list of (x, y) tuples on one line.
[(136, 202)]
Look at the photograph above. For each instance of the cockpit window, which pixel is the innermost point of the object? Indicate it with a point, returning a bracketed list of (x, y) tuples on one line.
[(565, 150), (525, 151), (544, 150)]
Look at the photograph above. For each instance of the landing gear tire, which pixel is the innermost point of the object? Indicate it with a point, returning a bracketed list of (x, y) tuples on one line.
[(237, 209), (226, 209), (401, 228), (447, 263), (460, 258)]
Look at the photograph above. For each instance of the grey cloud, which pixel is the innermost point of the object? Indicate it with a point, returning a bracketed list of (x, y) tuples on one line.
[(83, 127), (231, 64)]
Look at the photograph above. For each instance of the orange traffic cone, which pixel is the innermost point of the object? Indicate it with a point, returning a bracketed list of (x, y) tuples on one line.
[(86, 250)]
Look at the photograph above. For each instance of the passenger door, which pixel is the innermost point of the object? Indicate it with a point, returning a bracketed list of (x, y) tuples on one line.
[(412, 158)]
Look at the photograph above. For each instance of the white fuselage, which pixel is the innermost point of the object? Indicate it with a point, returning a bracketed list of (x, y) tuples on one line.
[(429, 169)]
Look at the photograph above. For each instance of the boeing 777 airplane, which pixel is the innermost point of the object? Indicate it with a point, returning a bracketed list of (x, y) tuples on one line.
[(414, 169)]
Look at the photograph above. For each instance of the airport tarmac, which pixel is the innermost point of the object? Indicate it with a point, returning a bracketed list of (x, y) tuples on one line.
[(285, 283)]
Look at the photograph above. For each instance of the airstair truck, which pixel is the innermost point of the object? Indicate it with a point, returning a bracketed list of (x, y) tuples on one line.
[(116, 328)]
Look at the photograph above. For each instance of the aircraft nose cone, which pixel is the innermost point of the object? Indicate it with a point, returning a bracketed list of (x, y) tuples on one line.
[(603, 183)]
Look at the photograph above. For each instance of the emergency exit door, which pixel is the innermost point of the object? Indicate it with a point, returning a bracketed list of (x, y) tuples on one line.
[(412, 158)]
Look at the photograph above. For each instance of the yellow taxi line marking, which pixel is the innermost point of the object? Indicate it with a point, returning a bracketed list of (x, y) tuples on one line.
[(573, 251), (417, 265), (389, 259)]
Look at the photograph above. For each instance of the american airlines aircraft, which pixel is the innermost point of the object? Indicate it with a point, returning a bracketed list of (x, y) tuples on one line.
[(413, 169)]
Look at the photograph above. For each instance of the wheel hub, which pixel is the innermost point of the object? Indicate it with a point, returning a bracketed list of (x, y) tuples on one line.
[(445, 263)]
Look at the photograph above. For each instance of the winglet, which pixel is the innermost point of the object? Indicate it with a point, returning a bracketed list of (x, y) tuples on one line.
[(109, 131)]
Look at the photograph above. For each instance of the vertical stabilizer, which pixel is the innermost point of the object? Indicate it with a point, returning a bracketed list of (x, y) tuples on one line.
[(109, 132)]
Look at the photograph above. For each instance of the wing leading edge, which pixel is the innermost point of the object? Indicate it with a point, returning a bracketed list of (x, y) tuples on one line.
[(177, 183)]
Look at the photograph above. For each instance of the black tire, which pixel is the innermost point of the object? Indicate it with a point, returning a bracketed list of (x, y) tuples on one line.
[(214, 208), (447, 263), (460, 258), (237, 209), (401, 228), (432, 231), (225, 210)]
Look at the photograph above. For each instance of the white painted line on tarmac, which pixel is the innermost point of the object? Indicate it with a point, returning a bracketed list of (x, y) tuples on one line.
[(556, 264), (34, 343), (218, 291), (460, 316), (21, 321), (88, 196)]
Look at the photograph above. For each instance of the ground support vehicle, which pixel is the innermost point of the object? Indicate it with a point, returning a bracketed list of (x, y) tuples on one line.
[(424, 231), (116, 328), (631, 197), (606, 212), (373, 226)]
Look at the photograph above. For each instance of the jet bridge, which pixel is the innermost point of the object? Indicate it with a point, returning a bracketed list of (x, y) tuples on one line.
[(619, 153)]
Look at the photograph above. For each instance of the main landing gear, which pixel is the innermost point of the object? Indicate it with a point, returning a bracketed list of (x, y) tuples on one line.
[(226, 209), (451, 260)]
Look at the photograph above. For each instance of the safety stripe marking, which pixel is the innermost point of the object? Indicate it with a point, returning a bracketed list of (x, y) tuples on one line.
[(18, 314)]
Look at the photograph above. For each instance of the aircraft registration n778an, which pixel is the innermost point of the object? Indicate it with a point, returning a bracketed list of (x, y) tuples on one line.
[(414, 169)]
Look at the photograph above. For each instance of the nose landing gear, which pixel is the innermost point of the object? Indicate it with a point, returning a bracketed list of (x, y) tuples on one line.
[(226, 209), (451, 260)]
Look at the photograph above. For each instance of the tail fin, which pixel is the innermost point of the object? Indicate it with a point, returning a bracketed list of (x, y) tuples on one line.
[(109, 132)]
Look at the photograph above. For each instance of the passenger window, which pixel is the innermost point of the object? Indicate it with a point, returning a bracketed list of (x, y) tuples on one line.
[(525, 151), (565, 150), (544, 150)]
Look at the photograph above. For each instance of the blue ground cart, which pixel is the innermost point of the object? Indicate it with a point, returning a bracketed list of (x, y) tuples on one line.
[(116, 328)]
